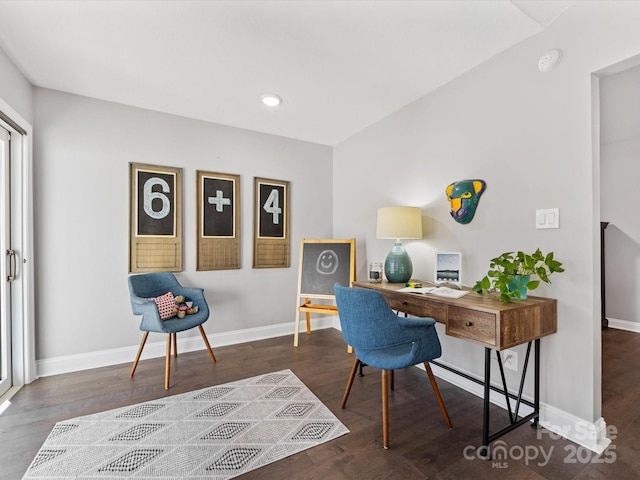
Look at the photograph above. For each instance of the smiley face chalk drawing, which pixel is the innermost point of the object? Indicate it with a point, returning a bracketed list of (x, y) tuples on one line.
[(327, 262)]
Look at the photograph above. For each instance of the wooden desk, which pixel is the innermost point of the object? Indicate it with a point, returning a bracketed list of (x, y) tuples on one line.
[(493, 324)]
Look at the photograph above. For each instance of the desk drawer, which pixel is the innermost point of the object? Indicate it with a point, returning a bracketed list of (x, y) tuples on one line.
[(472, 325), (414, 304)]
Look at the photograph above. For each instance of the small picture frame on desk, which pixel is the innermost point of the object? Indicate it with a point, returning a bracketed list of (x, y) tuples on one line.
[(448, 267)]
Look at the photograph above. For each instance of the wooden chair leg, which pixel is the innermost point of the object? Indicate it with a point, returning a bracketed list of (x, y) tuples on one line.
[(175, 344), (385, 409), (135, 362), (167, 369), (391, 377), (352, 375), (296, 330), (436, 390), (206, 342)]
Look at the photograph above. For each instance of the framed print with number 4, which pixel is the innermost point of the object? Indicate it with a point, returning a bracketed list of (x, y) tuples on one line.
[(271, 242)]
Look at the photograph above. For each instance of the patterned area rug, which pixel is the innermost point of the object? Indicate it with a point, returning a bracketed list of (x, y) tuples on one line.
[(214, 433)]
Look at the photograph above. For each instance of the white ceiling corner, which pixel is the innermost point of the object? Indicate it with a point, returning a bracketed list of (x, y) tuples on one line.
[(544, 13)]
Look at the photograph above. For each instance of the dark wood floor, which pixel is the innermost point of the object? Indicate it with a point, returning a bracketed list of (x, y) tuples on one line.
[(421, 445)]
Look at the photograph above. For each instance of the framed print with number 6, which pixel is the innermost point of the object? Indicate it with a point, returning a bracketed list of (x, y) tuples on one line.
[(155, 231), (271, 242)]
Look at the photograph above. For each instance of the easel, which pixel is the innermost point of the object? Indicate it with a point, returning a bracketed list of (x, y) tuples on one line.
[(316, 283)]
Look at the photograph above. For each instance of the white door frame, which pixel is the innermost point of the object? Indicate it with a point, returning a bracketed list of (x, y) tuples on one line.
[(22, 289), (7, 264)]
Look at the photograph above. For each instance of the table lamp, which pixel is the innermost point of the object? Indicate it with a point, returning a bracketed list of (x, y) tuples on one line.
[(398, 223)]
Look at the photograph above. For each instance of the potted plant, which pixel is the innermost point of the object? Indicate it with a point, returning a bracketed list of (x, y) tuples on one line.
[(510, 274)]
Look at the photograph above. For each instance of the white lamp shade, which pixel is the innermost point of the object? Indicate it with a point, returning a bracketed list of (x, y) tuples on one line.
[(399, 222)]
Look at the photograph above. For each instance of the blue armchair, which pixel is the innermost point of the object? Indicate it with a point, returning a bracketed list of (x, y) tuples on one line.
[(386, 341), (142, 289)]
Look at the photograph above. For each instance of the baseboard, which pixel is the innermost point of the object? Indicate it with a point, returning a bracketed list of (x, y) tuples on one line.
[(591, 435), (104, 358), (624, 325), (556, 422)]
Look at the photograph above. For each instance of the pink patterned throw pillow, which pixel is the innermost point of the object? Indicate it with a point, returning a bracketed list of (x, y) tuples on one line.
[(165, 305)]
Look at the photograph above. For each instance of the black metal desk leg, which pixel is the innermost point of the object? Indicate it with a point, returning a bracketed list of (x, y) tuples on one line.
[(487, 391), (536, 384)]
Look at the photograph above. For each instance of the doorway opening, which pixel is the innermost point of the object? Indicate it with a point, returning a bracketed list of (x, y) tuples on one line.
[(618, 168)]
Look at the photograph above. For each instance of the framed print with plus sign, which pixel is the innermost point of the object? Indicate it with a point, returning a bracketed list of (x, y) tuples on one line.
[(218, 221)]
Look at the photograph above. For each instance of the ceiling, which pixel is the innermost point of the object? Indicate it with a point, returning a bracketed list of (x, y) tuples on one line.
[(338, 65)]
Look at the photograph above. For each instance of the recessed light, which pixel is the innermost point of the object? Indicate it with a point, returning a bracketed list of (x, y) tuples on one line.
[(271, 99)]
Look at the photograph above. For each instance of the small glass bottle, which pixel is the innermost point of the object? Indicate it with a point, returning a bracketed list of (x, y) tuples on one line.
[(375, 272)]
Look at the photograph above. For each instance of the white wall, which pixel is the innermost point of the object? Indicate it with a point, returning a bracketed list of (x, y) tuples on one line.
[(15, 89), (81, 183), (529, 136), (620, 160)]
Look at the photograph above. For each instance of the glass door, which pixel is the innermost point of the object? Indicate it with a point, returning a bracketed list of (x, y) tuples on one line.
[(7, 265)]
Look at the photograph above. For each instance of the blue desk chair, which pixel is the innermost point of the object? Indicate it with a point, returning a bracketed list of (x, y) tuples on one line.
[(143, 289), (386, 341)]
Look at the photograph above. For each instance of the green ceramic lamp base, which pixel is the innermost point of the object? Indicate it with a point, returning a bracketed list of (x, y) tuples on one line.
[(398, 267)]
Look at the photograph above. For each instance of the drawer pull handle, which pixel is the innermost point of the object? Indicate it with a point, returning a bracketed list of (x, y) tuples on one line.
[(405, 303), (469, 324)]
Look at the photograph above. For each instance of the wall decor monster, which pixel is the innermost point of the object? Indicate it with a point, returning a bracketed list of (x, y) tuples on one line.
[(464, 196)]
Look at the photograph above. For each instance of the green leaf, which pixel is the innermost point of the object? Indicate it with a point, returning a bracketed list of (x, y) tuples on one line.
[(555, 266), (505, 298), (542, 273), (533, 284)]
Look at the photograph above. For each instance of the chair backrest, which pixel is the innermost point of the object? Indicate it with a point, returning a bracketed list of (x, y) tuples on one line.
[(148, 285), (366, 319)]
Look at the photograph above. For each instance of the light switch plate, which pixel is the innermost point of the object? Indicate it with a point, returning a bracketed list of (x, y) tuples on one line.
[(548, 218)]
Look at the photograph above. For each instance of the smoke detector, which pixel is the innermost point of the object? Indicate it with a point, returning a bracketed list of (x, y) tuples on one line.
[(549, 60)]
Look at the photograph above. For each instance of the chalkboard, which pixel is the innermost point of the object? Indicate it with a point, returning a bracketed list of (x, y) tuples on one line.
[(271, 217), (218, 207), (156, 203), (323, 263)]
